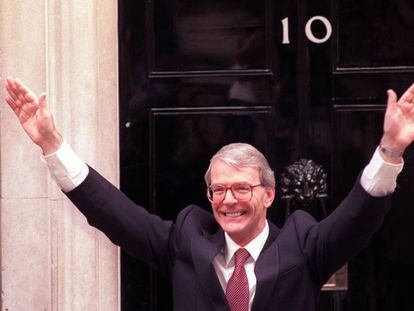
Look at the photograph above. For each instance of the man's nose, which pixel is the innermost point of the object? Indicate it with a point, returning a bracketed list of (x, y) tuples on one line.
[(229, 197)]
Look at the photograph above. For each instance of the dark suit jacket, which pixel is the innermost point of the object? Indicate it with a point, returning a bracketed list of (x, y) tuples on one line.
[(295, 262)]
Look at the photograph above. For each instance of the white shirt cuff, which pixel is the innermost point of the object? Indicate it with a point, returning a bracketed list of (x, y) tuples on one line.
[(379, 177), (65, 167)]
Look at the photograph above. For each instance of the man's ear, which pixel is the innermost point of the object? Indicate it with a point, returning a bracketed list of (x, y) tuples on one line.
[(269, 196)]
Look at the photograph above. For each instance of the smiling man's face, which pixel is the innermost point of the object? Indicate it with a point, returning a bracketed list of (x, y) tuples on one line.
[(243, 221)]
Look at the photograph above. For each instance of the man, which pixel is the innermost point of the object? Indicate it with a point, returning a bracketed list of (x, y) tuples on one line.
[(233, 259)]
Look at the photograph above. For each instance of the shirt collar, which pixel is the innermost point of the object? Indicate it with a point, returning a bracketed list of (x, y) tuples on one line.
[(254, 247)]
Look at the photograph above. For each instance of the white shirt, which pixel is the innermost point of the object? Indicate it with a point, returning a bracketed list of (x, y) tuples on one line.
[(66, 168), (378, 179), (224, 261)]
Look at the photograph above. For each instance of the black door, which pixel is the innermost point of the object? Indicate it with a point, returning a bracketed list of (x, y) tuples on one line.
[(297, 79)]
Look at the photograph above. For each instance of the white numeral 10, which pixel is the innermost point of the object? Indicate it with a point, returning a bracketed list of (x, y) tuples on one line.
[(308, 30)]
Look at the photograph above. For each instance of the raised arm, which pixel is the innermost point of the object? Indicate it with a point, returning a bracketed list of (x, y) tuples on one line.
[(33, 114), (350, 226), (128, 225)]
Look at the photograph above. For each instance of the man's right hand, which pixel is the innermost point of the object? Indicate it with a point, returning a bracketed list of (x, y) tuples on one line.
[(34, 115)]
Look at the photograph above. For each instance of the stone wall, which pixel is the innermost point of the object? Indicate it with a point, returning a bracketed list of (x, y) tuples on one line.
[(50, 258)]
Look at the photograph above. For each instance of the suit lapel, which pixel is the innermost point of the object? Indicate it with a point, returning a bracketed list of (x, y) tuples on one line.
[(266, 270), (203, 249)]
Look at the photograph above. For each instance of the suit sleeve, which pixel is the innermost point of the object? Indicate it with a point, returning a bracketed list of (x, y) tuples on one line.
[(330, 243), (143, 235)]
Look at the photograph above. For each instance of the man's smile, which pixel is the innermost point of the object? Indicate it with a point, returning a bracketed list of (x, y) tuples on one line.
[(234, 214)]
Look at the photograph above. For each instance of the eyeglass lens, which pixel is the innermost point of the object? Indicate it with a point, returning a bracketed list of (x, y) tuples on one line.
[(240, 191)]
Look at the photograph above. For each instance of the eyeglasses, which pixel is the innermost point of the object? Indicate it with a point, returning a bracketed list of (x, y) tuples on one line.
[(242, 192)]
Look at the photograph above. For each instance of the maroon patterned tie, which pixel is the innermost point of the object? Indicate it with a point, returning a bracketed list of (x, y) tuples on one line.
[(237, 291)]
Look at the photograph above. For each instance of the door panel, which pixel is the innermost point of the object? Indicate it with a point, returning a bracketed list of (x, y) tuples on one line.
[(374, 34), (184, 35)]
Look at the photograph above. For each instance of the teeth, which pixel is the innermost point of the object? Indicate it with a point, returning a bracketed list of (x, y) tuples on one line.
[(234, 214)]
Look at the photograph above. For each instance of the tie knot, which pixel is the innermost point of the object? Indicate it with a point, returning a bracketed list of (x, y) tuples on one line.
[(241, 256)]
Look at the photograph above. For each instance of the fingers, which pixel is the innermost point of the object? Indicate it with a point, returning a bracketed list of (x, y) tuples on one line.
[(12, 104), (392, 97), (391, 101), (10, 88), (13, 101), (42, 105), (406, 102), (19, 92), (42, 101), (20, 98), (23, 92)]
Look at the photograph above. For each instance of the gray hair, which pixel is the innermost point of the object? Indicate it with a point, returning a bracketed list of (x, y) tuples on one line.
[(242, 155)]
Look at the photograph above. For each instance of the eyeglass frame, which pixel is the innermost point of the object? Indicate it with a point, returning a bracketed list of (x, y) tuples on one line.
[(231, 190)]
